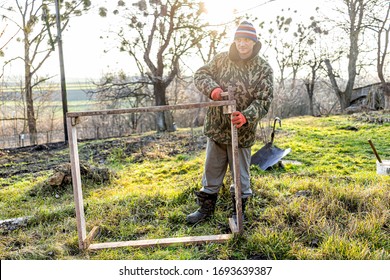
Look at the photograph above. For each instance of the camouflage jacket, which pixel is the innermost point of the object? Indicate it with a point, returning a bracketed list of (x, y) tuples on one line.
[(253, 82)]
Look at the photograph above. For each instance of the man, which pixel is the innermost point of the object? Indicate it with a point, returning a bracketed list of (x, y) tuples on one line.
[(252, 78)]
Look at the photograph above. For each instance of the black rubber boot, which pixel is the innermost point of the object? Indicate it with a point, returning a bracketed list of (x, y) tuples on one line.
[(207, 206), (243, 205)]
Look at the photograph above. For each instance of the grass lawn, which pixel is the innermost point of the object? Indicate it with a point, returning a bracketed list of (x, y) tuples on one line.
[(327, 203)]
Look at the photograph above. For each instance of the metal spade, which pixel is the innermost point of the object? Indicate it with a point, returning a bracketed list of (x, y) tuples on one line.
[(269, 155)]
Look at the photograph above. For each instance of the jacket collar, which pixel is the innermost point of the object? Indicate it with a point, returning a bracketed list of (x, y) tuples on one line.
[(234, 56)]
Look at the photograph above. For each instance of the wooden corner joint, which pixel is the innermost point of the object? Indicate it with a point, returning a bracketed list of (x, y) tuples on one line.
[(90, 237), (227, 109), (75, 121)]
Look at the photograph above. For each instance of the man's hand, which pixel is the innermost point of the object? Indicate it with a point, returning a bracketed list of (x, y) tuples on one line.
[(238, 119), (216, 94)]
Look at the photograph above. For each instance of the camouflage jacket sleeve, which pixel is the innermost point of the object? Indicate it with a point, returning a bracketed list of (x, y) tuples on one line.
[(263, 96), (204, 77)]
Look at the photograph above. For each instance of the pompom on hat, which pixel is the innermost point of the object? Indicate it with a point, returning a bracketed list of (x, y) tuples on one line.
[(246, 30)]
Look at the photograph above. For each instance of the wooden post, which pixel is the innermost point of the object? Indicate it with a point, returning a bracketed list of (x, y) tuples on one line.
[(237, 176), (76, 180), (235, 227)]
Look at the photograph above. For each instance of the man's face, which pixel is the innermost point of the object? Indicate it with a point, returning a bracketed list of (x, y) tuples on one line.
[(244, 47)]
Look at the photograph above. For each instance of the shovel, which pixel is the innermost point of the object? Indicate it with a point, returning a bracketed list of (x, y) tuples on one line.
[(269, 155)]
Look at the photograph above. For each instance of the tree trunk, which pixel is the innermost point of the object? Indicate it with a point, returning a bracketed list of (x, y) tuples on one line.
[(353, 56), (387, 102), (381, 59), (169, 123), (345, 100), (159, 96), (355, 13), (386, 94), (310, 93), (164, 120), (32, 126), (310, 85), (335, 86)]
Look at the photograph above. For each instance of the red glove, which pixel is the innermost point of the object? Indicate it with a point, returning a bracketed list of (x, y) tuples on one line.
[(216, 94), (238, 119)]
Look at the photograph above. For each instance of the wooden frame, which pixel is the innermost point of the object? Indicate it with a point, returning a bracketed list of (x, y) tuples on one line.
[(85, 242)]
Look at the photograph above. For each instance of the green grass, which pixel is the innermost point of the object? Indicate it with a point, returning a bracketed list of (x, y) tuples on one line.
[(332, 205)]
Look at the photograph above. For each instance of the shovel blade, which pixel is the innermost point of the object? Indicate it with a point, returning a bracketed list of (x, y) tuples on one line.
[(268, 156)]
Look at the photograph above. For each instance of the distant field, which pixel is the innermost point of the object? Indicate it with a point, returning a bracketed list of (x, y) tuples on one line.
[(77, 97), (74, 91), (78, 105), (75, 103), (69, 86)]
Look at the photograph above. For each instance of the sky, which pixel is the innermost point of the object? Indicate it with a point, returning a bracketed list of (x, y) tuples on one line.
[(84, 55)]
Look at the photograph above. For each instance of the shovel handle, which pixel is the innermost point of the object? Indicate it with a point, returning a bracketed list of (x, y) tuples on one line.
[(273, 130), (375, 152)]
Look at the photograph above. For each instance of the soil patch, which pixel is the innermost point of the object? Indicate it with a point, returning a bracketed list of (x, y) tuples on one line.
[(33, 159)]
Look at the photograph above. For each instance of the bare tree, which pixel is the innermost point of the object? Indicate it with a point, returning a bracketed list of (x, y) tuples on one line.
[(115, 89), (354, 27), (35, 19), (163, 33), (279, 43), (316, 54), (296, 47), (310, 82), (381, 27), (5, 39)]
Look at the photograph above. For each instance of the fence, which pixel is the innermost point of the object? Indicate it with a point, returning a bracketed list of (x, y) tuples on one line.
[(23, 140), (91, 130), (95, 127), (85, 133)]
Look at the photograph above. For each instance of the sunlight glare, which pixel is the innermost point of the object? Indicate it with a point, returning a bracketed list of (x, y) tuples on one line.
[(219, 12)]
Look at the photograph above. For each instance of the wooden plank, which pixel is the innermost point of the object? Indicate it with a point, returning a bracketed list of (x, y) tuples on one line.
[(163, 242), (236, 167), (76, 182), (91, 235), (150, 109), (233, 226)]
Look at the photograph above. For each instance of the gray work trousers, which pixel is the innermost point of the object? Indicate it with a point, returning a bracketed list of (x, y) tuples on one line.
[(218, 157)]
